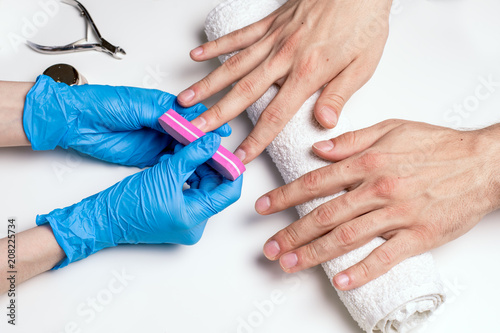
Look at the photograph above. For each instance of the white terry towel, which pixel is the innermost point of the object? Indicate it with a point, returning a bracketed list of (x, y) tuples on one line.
[(396, 301)]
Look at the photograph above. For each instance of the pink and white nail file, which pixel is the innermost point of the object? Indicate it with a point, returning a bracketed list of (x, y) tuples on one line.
[(225, 162)]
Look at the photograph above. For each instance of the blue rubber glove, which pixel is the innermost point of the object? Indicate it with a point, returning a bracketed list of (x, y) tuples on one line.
[(148, 207), (114, 124)]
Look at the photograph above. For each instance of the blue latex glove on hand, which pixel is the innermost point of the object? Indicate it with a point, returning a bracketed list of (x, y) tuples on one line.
[(114, 124), (148, 207)]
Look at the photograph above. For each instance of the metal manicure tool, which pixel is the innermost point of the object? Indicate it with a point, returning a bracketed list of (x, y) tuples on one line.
[(82, 44)]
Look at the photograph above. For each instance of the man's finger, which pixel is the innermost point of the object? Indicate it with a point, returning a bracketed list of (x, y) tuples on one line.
[(234, 41), (274, 118), (354, 142), (229, 72), (243, 94), (224, 131), (332, 215), (333, 98), (322, 182), (378, 262), (341, 240)]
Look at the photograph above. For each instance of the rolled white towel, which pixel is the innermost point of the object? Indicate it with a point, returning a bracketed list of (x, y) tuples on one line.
[(396, 301)]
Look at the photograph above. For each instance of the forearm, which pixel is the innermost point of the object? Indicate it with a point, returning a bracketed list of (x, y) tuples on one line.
[(37, 251), (12, 96)]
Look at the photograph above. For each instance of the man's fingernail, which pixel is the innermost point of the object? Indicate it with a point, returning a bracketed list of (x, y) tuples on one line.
[(342, 280), (325, 146), (240, 153), (262, 204), (197, 51), (186, 96), (199, 122), (289, 260), (329, 116), (271, 249)]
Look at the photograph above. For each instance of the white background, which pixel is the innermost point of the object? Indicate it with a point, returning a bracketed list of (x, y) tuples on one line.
[(436, 52)]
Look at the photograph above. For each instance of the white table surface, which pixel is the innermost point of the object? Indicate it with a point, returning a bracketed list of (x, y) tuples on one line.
[(436, 52)]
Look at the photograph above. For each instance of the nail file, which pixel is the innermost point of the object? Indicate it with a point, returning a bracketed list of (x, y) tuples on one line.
[(225, 162)]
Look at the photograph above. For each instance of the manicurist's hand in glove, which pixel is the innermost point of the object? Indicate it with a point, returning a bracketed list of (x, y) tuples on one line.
[(149, 207), (114, 124)]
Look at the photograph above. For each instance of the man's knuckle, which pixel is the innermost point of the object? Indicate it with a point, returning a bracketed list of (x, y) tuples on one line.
[(289, 236), (393, 212), (407, 127), (233, 64), (287, 47), (312, 251), (391, 122), (274, 115), (217, 113), (306, 67), (312, 182), (323, 215), (238, 35), (348, 139), (214, 44), (270, 65), (337, 102), (363, 270), (384, 187), (256, 29), (345, 235), (252, 141), (206, 83), (282, 196), (423, 233), (385, 255), (274, 32), (246, 88), (404, 208), (369, 161)]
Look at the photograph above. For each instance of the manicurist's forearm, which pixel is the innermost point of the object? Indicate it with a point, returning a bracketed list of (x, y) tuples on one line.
[(36, 251), (12, 96)]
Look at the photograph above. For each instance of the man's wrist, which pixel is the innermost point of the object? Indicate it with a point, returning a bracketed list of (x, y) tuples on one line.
[(490, 146)]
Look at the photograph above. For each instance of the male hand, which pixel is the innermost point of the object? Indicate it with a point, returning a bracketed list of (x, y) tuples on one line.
[(302, 46), (416, 185)]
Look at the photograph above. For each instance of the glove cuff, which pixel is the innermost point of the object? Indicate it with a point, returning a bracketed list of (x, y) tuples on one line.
[(76, 231), (45, 116)]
